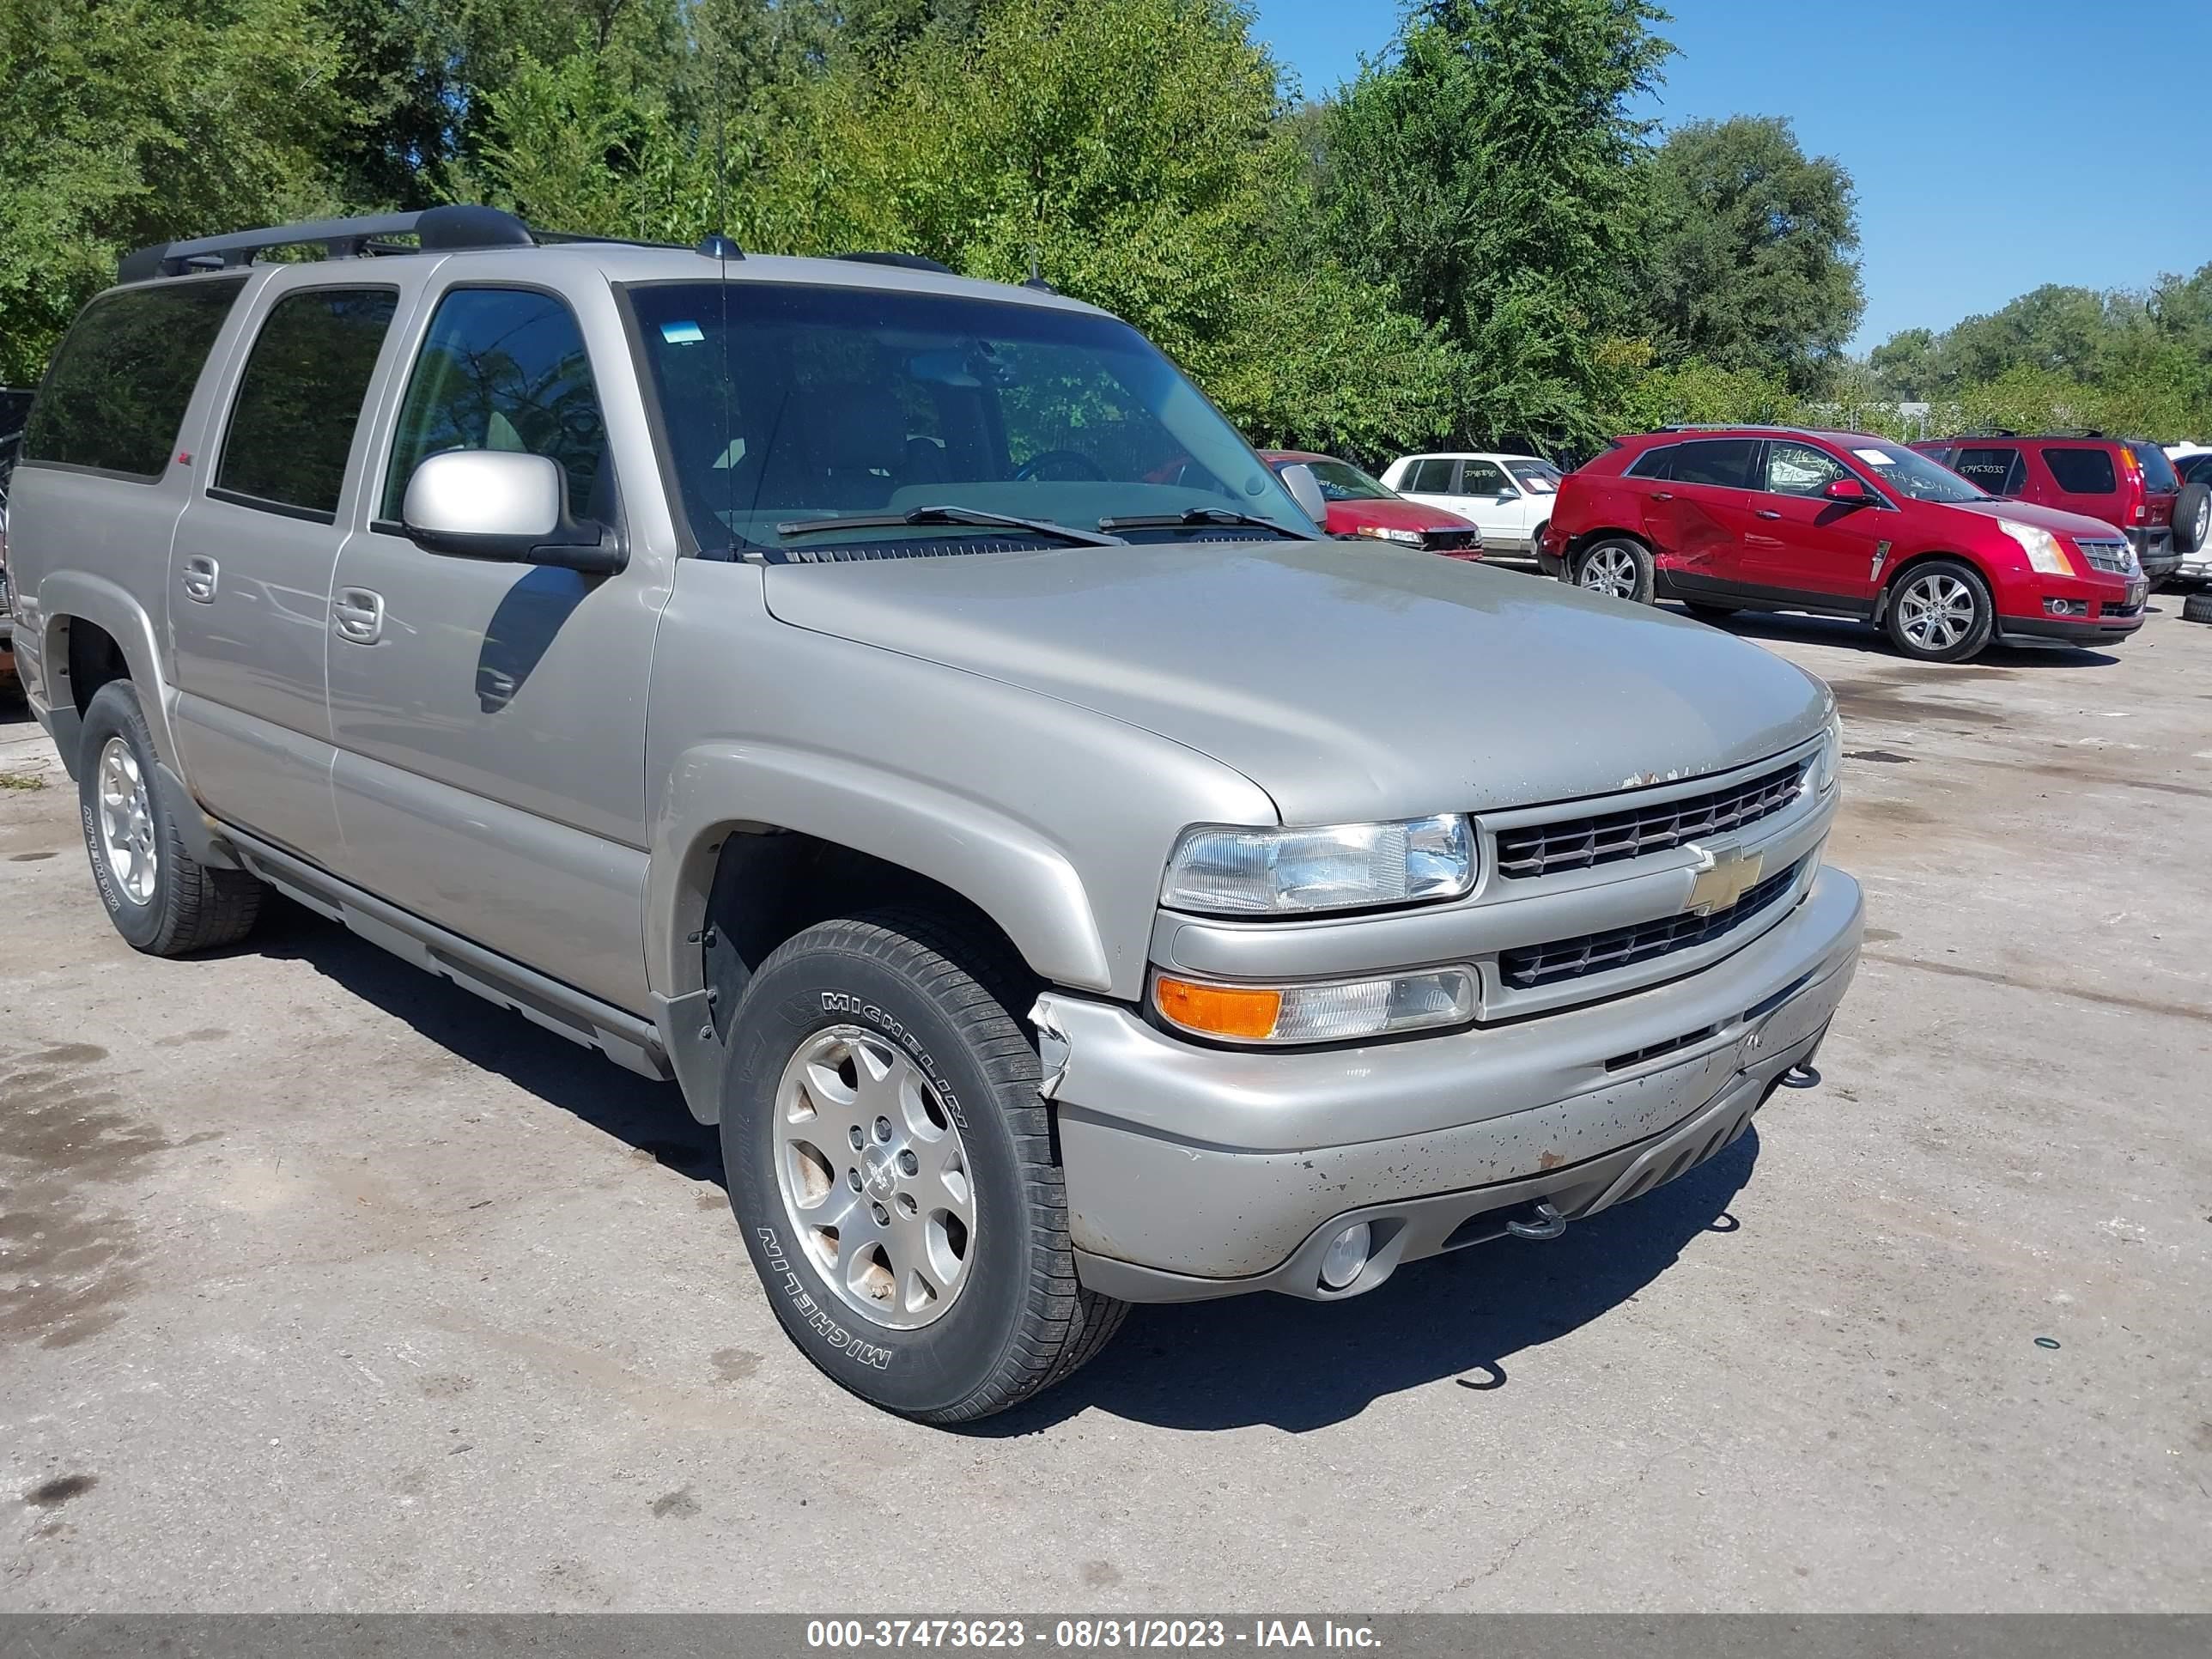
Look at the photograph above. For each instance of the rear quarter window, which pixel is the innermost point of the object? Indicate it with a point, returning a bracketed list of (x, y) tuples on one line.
[(2083, 472), (1652, 463), (115, 397), (2158, 472)]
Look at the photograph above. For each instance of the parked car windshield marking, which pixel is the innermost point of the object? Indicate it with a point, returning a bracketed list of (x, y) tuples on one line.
[(1340, 481), (1911, 473), (798, 404)]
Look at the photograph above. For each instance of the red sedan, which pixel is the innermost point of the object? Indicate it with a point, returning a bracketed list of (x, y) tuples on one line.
[(1359, 506)]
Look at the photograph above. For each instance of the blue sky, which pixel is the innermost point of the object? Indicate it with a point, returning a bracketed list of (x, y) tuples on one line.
[(1996, 144)]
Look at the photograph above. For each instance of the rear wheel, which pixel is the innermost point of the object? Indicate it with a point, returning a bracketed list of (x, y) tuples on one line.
[(1940, 611), (161, 900), (1618, 568), (893, 1168)]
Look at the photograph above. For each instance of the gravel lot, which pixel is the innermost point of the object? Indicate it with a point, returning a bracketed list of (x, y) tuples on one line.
[(324, 1286)]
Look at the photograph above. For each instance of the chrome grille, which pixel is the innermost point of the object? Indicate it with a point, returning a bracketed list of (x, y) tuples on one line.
[(1538, 849), (2115, 558), (1531, 965)]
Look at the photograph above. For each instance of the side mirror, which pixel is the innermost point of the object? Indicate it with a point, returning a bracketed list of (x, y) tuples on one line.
[(511, 508), (1305, 490), (1850, 492)]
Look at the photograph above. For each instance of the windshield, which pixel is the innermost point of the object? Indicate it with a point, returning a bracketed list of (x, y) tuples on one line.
[(782, 404), (1537, 477), (1911, 474), (1340, 481)]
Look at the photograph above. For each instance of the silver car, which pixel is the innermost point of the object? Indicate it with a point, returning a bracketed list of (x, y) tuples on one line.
[(902, 710)]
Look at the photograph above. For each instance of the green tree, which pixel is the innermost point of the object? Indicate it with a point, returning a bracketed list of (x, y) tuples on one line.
[(1907, 368), (1750, 262), (1485, 176), (136, 121)]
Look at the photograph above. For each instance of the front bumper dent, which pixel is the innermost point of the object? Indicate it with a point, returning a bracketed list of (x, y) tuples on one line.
[(1195, 1172)]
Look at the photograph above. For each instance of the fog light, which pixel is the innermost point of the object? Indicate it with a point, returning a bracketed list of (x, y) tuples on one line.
[(1346, 1254), (2066, 607)]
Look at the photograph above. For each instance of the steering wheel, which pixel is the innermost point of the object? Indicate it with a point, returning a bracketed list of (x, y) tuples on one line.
[(1078, 465)]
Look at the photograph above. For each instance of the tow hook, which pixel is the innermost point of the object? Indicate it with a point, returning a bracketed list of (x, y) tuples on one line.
[(1801, 1076), (1543, 1221)]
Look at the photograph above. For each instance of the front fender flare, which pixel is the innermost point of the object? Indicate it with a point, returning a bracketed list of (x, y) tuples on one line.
[(1009, 869)]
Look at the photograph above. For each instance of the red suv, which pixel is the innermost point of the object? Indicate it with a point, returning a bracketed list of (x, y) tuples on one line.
[(2123, 481), (1733, 518), (1359, 506)]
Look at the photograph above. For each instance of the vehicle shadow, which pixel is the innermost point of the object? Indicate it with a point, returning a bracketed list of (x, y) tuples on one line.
[(1296, 1365), (1847, 635), (1208, 1366), (648, 1115)]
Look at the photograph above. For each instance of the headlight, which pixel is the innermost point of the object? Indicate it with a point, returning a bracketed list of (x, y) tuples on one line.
[(2042, 548), (1342, 1013), (1830, 759), (1376, 532), (1222, 871)]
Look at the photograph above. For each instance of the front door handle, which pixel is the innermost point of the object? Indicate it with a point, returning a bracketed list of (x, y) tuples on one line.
[(358, 614), (1662, 494), (1768, 513), (201, 575)]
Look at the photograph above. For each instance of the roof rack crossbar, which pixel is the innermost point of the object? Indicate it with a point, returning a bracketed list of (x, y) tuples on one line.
[(442, 228)]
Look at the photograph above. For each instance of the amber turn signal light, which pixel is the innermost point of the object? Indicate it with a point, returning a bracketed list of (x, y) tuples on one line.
[(1221, 1010)]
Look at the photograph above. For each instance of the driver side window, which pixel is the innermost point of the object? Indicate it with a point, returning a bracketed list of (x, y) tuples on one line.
[(1798, 470), (1484, 479), (503, 368)]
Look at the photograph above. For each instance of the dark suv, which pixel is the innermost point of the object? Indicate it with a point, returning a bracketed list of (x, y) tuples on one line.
[(1843, 524), (2126, 482)]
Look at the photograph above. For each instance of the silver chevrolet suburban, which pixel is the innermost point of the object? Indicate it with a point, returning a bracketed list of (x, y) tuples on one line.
[(903, 711)]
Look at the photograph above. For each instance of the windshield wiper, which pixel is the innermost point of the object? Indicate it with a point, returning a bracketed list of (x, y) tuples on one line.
[(1193, 518), (957, 515)]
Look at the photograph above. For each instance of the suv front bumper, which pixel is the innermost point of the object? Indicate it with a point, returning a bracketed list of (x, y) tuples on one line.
[(1182, 1183)]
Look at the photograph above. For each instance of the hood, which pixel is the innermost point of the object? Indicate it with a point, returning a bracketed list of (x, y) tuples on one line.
[(1349, 683), (1345, 516), (2056, 522)]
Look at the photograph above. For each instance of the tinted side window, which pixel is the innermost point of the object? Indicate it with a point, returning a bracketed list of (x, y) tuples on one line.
[(1653, 463), (301, 396), (1431, 477), (116, 393), (1484, 479), (501, 368), (1996, 469), (2083, 471), (1727, 462), (2158, 471)]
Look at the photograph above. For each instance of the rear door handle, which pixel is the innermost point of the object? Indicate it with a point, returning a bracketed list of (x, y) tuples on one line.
[(358, 614), (201, 575), (1768, 513)]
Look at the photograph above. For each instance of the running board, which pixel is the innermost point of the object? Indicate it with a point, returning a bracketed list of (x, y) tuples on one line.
[(632, 1044)]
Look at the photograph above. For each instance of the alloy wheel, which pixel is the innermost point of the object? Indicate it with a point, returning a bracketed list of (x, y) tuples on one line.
[(874, 1178), (126, 822), (1610, 571), (1935, 611)]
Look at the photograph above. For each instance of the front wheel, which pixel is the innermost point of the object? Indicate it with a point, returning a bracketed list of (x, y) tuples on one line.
[(1941, 612), (1618, 568), (893, 1167)]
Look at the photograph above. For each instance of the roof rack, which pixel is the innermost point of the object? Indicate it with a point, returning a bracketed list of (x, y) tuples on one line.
[(442, 228), (904, 261), (448, 229), (1731, 426)]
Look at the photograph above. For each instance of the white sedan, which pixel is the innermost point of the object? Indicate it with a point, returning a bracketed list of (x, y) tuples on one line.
[(1510, 497)]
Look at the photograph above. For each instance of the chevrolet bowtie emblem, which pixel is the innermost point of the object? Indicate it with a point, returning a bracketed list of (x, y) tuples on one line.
[(1725, 877)]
